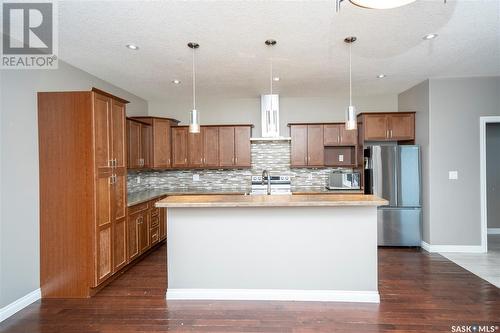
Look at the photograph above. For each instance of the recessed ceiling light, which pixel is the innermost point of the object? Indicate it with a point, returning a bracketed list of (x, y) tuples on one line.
[(132, 46), (276, 78), (429, 36), (176, 81), (381, 76)]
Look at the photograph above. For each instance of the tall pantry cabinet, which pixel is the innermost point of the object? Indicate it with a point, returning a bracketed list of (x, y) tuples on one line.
[(83, 177)]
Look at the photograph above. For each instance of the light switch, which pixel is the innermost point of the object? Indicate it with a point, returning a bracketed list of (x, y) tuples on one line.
[(341, 158), (196, 177), (138, 179), (453, 175)]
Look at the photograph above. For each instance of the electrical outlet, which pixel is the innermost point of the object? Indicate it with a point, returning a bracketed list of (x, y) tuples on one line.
[(341, 158), (453, 175), (138, 179), (196, 177)]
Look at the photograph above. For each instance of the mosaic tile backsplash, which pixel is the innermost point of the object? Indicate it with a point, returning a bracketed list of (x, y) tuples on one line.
[(271, 155)]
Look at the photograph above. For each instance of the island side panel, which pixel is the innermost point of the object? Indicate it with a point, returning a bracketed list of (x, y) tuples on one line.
[(279, 248)]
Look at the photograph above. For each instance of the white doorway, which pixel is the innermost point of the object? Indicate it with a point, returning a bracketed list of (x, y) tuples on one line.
[(488, 125)]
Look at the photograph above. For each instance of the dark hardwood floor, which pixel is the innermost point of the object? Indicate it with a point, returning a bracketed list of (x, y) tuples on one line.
[(420, 292)]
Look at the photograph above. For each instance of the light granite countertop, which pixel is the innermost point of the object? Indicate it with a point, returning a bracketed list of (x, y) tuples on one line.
[(143, 196), (313, 200)]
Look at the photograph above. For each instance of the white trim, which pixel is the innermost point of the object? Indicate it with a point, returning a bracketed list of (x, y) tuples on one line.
[(19, 304), (493, 231), (274, 295), (452, 248), (482, 165)]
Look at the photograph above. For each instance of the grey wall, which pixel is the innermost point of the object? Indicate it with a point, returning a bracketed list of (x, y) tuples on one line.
[(292, 109), (493, 174), (455, 108), (417, 99), (19, 237)]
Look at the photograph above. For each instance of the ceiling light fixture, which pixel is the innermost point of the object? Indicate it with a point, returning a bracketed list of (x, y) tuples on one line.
[(132, 47), (270, 104), (276, 78), (381, 4), (381, 76), (350, 121), (429, 36), (194, 119), (176, 81)]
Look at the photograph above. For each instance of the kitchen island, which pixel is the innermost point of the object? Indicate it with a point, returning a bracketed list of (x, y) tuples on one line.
[(258, 247)]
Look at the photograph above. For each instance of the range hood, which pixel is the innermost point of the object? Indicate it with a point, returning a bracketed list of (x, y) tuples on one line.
[(270, 115)]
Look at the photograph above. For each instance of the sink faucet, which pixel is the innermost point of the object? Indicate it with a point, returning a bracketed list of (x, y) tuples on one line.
[(265, 173)]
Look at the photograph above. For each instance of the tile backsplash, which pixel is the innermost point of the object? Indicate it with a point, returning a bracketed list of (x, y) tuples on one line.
[(271, 155)]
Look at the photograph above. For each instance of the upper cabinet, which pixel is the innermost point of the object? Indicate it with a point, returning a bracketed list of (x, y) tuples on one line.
[(180, 146), (307, 145), (337, 135), (234, 146), (138, 144), (160, 141), (396, 126)]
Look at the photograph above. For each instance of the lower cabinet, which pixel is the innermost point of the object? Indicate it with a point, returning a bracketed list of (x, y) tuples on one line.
[(146, 227)]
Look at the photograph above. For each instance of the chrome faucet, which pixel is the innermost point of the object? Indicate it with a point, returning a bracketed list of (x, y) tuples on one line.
[(265, 173)]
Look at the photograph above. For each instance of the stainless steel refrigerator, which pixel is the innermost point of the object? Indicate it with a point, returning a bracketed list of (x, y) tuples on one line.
[(394, 173)]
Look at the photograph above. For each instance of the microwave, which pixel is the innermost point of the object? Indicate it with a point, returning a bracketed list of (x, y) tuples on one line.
[(344, 181)]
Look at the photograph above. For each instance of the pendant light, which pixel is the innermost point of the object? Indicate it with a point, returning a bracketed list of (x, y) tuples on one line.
[(194, 120), (350, 121)]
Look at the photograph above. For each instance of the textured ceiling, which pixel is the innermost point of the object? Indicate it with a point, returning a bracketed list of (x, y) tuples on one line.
[(310, 58)]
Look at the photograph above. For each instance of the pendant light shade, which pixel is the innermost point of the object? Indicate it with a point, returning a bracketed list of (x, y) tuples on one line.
[(381, 4), (351, 122), (194, 117)]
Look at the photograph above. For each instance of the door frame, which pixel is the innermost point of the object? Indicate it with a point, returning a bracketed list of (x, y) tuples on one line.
[(482, 163)]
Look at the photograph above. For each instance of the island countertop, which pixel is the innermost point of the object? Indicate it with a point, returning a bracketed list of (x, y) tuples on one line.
[(314, 200)]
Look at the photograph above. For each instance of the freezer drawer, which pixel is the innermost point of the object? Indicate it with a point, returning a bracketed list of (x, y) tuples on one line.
[(399, 226)]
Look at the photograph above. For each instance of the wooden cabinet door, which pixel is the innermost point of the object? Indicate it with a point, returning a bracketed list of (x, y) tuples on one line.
[(134, 222), (210, 146), (119, 136), (242, 150), (226, 146), (315, 149), (143, 231), (195, 149), (331, 134), (119, 211), (134, 144), (179, 147), (146, 137), (348, 137), (102, 133), (401, 126), (375, 127), (298, 134), (163, 223), (103, 228), (161, 143)]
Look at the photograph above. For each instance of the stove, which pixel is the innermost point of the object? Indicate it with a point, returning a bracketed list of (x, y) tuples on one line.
[(279, 185)]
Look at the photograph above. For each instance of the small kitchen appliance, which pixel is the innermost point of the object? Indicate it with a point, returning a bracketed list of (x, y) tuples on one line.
[(343, 180)]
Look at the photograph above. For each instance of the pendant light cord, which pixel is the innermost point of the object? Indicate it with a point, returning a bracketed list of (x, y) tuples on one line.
[(350, 74), (194, 82)]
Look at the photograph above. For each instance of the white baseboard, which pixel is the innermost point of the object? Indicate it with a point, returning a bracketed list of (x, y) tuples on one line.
[(493, 231), (274, 295), (452, 248), (19, 304)]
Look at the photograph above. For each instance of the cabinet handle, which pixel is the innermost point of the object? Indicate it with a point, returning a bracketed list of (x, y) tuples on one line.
[(305, 159), (236, 160), (115, 162), (110, 163), (391, 133), (185, 160)]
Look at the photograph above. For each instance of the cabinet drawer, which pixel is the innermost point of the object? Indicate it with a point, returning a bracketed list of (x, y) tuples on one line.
[(155, 235), (155, 222), (154, 211), (137, 208)]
